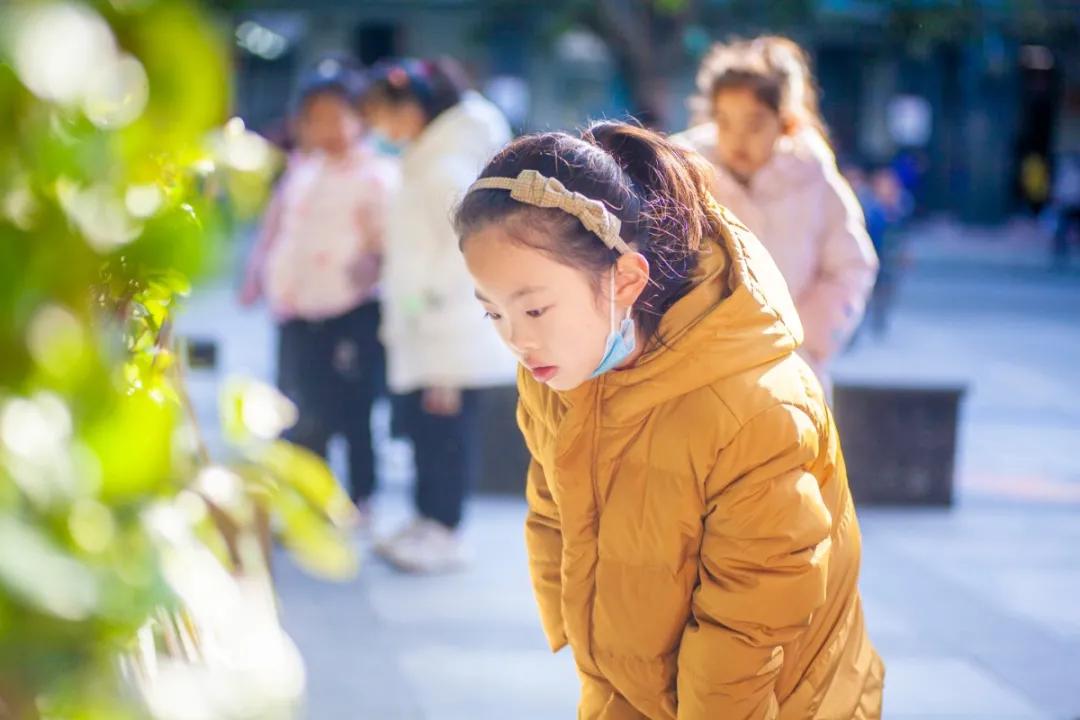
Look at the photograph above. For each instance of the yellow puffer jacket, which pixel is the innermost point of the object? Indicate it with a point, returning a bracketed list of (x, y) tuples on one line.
[(690, 531)]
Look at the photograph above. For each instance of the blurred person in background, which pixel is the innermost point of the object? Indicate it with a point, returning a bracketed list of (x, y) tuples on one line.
[(894, 206), (775, 170), (1066, 205), (886, 204), (440, 349), (690, 530), (317, 261), (910, 167), (873, 214)]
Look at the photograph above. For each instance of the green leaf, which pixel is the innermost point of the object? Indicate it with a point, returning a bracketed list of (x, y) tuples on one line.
[(253, 411), (133, 446), (670, 7), (310, 476), (41, 573), (314, 544)]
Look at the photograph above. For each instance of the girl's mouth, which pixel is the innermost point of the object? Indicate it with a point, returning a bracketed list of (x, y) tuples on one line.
[(543, 373)]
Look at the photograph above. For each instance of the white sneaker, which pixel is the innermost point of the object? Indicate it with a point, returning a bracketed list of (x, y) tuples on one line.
[(429, 549), (384, 546)]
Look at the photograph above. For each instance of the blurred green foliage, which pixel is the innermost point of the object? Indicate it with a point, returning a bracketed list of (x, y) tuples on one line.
[(119, 184)]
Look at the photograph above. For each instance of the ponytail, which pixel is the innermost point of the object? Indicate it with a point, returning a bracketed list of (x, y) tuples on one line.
[(672, 182), (657, 189), (803, 88)]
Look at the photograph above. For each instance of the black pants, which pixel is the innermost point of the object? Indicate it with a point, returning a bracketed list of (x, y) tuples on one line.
[(334, 370), (445, 449)]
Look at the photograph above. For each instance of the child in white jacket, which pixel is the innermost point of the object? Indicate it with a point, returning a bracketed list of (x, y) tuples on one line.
[(776, 172), (440, 349)]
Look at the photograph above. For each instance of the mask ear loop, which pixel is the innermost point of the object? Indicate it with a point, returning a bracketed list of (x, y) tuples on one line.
[(629, 310), (612, 313)]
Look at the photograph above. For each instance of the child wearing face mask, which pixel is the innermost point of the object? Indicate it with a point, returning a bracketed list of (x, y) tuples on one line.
[(690, 531), (317, 261), (440, 351), (774, 169)]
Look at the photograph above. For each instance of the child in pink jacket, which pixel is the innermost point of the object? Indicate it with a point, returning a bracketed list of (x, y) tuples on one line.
[(317, 262), (776, 172)]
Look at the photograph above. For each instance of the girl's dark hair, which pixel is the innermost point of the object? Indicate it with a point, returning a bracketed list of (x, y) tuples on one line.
[(657, 189), (436, 85), (776, 69), (332, 75)]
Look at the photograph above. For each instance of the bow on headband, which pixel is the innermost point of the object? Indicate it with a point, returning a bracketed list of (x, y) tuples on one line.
[(532, 188)]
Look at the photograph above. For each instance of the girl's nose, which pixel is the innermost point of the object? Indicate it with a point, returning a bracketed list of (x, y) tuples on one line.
[(519, 341)]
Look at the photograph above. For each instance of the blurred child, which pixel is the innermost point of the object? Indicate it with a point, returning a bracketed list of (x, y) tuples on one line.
[(441, 352), (886, 204), (896, 206), (776, 172), (317, 262), (1066, 199)]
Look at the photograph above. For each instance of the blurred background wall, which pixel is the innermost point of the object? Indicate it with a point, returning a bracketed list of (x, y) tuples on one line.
[(962, 92)]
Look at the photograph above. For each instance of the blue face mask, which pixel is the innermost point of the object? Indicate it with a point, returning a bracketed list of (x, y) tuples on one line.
[(384, 145), (621, 341)]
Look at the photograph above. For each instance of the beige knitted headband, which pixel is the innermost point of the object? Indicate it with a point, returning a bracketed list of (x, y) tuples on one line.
[(532, 188)]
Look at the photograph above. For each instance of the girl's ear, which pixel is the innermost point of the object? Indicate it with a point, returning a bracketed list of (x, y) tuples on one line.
[(631, 277)]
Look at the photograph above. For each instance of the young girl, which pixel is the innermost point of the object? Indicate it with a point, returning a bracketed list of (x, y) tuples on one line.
[(775, 171), (690, 530), (317, 262), (439, 350)]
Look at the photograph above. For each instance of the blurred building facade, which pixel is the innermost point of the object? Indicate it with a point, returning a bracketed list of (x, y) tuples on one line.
[(971, 97)]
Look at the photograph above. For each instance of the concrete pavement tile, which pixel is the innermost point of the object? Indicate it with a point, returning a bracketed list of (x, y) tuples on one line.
[(950, 687), (455, 683), (1048, 597)]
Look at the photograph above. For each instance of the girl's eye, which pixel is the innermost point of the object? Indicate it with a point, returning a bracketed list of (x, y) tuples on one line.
[(536, 313), (492, 316)]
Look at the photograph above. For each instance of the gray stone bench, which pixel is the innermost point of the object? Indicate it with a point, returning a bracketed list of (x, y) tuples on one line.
[(899, 442), (504, 459)]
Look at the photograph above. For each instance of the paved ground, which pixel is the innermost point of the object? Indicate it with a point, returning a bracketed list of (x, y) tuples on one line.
[(975, 610)]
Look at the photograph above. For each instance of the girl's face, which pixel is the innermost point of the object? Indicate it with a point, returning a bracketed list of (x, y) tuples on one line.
[(329, 123), (398, 122), (748, 130), (552, 316)]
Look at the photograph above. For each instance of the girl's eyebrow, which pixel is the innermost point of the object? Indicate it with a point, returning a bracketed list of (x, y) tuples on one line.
[(528, 290)]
